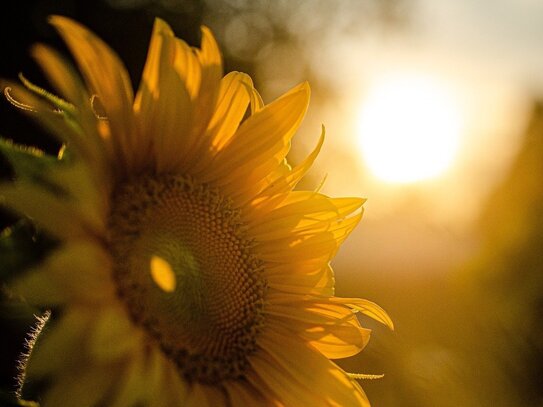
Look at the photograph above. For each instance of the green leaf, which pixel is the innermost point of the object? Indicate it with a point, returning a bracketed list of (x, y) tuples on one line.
[(32, 164), (22, 246), (59, 103)]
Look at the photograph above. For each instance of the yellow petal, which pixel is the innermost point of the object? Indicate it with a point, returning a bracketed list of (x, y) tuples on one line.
[(291, 380), (107, 78), (188, 67), (149, 380), (83, 141), (313, 281), (60, 74), (131, 388), (243, 394), (163, 106), (256, 101), (368, 308), (286, 387), (155, 378), (281, 182), (230, 109), (86, 178), (67, 82), (202, 395), (344, 338), (210, 59), (332, 330), (77, 272), (88, 387), (308, 245), (309, 310), (314, 215), (338, 342), (57, 216), (260, 144), (113, 336), (294, 248)]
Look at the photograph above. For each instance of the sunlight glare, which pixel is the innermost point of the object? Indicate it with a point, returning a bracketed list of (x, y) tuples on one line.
[(409, 129)]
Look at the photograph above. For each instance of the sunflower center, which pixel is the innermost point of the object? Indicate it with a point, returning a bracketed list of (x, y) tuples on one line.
[(185, 270)]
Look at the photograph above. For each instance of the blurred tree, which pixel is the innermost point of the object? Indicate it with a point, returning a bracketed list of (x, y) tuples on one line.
[(510, 269), (472, 337)]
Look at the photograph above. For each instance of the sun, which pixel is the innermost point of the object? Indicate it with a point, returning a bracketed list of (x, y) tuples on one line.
[(409, 129)]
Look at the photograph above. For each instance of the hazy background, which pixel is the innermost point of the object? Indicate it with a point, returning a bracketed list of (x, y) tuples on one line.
[(452, 250)]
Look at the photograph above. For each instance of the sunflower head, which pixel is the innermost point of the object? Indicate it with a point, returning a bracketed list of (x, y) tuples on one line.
[(182, 259), (189, 270)]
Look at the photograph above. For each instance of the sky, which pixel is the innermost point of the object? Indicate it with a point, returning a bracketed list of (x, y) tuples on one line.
[(487, 55)]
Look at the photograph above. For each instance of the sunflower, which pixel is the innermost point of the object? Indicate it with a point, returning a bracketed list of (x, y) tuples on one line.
[(188, 270)]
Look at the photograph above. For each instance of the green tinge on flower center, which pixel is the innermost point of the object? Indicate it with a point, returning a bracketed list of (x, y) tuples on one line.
[(185, 270)]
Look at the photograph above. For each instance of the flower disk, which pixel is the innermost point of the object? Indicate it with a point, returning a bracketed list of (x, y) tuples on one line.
[(206, 316), (188, 271)]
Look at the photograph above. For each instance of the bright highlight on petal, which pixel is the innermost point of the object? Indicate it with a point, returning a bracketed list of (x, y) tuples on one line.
[(409, 129), (163, 274), (188, 273)]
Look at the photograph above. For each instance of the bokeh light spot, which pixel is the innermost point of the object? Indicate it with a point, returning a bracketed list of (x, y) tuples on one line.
[(163, 274)]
